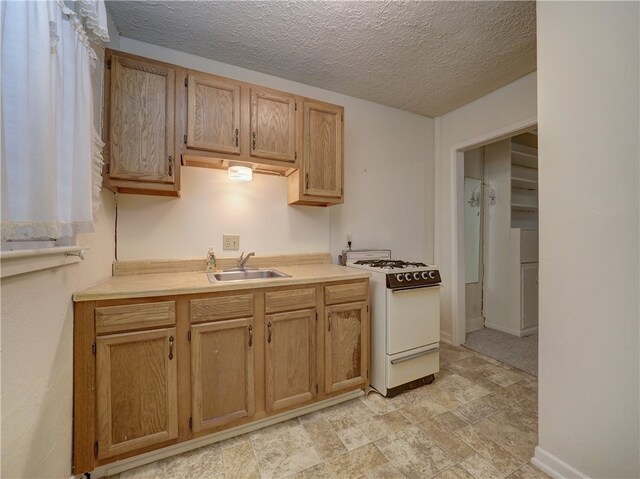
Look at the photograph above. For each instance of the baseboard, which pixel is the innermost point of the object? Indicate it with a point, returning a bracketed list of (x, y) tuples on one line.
[(554, 466), (445, 337), (142, 459), (529, 331), (499, 327), (474, 324)]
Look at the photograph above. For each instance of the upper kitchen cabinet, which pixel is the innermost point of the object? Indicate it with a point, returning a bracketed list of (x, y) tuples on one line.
[(213, 114), (273, 125), (139, 116), (319, 180)]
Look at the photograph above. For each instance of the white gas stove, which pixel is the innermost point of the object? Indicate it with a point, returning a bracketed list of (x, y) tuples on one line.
[(405, 320)]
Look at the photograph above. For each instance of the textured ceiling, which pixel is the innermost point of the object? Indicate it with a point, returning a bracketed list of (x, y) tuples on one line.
[(421, 56)]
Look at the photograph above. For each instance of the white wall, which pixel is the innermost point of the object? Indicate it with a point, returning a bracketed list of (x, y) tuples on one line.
[(37, 356), (474, 320), (37, 351), (588, 104), (472, 124), (388, 165)]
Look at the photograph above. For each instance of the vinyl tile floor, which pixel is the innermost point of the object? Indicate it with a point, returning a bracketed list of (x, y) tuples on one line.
[(478, 419)]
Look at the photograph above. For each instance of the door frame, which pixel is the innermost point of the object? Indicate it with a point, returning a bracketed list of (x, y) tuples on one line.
[(456, 166)]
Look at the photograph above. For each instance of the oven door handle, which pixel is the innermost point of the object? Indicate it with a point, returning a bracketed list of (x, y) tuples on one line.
[(416, 355), (411, 288)]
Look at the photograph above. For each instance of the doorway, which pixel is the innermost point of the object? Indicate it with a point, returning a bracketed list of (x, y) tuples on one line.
[(501, 250)]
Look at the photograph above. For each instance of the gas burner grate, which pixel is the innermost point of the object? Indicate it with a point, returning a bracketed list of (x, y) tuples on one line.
[(389, 264)]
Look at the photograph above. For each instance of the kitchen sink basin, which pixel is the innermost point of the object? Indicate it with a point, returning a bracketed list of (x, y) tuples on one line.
[(244, 275)]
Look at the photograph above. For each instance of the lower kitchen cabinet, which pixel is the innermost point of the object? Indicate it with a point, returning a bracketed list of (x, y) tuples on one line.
[(136, 391), (346, 351), (155, 372), (222, 372), (290, 367)]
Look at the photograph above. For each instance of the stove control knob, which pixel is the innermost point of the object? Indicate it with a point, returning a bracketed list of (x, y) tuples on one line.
[(400, 277), (432, 274), (425, 275), (407, 276), (416, 276)]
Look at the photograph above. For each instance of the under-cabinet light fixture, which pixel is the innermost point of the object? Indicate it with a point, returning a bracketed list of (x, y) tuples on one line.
[(240, 173)]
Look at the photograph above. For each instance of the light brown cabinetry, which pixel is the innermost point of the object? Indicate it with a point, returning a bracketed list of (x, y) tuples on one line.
[(319, 179), (222, 360), (139, 126), (222, 366), (213, 114), (159, 116), (290, 367), (136, 390), (231, 122), (149, 373), (273, 125), (346, 339)]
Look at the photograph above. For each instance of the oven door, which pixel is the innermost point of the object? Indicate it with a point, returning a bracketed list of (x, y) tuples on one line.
[(413, 318)]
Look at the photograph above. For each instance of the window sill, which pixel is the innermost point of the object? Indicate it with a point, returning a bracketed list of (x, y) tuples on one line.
[(27, 260)]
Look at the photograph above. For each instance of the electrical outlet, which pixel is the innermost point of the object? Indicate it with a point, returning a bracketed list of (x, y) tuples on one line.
[(231, 242)]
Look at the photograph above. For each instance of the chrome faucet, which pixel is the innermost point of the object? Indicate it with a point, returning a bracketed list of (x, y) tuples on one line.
[(243, 259)]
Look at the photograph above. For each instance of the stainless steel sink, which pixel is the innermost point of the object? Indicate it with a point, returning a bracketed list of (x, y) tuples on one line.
[(244, 275)]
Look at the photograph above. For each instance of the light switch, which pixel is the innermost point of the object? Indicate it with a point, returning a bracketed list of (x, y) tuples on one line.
[(231, 242)]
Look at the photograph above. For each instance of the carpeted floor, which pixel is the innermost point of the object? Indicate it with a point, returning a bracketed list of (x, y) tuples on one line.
[(521, 353)]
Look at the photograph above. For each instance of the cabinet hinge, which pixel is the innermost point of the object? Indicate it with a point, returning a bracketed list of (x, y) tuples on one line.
[(367, 308), (189, 335), (109, 63), (295, 155), (316, 315), (190, 423), (95, 448), (186, 81), (184, 138), (93, 349), (296, 104), (316, 389)]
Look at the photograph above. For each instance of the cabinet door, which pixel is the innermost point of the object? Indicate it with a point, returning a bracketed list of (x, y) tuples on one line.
[(136, 390), (529, 295), (141, 121), (213, 114), (221, 372), (346, 346), (273, 120), (290, 367), (322, 157)]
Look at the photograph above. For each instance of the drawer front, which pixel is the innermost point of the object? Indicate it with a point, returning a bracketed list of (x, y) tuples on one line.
[(290, 300), (129, 317), (221, 307), (345, 293), (410, 365)]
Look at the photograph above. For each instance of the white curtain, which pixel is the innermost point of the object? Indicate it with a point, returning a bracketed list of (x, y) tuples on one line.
[(51, 154)]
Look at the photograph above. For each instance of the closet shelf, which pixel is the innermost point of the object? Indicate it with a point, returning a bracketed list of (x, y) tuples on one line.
[(523, 207), (525, 183)]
